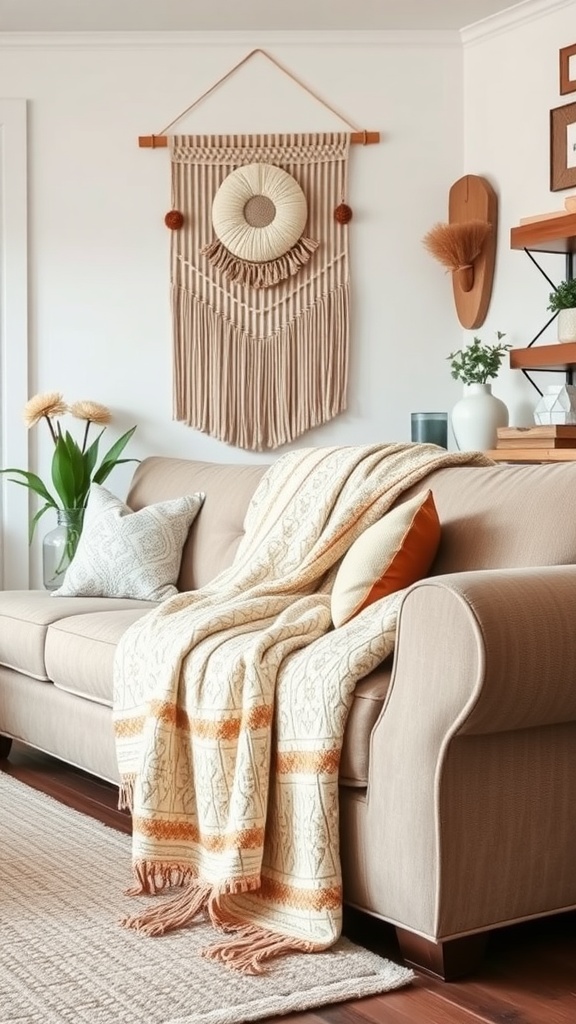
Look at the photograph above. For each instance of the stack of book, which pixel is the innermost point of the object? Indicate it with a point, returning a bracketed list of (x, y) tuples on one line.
[(541, 441)]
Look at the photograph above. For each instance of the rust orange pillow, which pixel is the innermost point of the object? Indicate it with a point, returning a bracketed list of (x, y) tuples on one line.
[(390, 555)]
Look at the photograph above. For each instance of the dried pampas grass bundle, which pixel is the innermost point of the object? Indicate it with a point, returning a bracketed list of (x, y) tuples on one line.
[(457, 245)]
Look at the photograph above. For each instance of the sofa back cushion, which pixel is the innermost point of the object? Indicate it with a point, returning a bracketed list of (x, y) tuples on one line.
[(504, 516), (217, 530)]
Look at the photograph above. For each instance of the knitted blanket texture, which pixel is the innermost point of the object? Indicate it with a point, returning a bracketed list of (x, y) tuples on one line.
[(230, 708)]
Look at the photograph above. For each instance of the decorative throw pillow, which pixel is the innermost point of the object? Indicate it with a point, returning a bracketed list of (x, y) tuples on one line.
[(122, 553), (390, 555)]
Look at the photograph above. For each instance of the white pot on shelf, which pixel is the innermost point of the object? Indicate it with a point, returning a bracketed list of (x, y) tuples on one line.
[(557, 405), (476, 418), (566, 325)]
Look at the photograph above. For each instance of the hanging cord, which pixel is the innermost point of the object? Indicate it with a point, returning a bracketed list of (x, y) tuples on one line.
[(281, 68)]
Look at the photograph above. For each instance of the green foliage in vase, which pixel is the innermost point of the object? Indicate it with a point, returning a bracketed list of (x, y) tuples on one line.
[(478, 363), (74, 466), (563, 296)]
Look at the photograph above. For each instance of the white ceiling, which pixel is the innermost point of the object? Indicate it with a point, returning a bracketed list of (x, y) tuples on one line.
[(243, 15)]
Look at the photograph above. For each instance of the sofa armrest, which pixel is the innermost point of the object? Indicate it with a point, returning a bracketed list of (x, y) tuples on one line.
[(490, 651), (471, 761)]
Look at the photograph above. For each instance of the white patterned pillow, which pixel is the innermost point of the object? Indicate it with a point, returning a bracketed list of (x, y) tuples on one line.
[(122, 553)]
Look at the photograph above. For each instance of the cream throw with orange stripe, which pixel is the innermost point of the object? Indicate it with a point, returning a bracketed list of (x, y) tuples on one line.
[(230, 707)]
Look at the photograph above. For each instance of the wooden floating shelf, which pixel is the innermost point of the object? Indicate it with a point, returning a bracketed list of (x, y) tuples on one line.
[(555, 234), (532, 454), (544, 357)]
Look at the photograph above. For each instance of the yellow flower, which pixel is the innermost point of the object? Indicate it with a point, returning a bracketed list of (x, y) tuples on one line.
[(49, 404), (94, 412)]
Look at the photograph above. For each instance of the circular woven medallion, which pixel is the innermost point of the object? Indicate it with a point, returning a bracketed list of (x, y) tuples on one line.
[(259, 212)]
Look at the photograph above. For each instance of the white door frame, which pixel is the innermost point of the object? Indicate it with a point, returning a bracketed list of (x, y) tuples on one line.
[(14, 500)]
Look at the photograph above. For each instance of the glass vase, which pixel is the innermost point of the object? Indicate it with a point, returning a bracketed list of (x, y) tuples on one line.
[(59, 546)]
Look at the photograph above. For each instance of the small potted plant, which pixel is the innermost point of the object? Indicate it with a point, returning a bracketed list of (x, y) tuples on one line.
[(477, 416), (563, 302)]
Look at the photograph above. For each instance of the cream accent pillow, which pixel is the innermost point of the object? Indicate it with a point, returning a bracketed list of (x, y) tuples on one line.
[(122, 553), (390, 555)]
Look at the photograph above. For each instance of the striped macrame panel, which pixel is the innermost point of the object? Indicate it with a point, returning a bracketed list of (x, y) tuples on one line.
[(258, 366)]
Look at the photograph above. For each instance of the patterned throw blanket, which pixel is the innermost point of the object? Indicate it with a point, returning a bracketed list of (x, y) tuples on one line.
[(230, 707)]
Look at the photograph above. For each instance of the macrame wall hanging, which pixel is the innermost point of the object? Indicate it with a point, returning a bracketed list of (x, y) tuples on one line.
[(260, 279)]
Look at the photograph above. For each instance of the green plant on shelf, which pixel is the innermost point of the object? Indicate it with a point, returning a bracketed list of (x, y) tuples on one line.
[(478, 363), (563, 296)]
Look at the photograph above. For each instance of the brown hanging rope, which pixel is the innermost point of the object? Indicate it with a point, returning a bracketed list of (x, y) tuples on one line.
[(160, 141)]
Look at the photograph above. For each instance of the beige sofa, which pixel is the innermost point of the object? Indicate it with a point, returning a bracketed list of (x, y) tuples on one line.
[(458, 774)]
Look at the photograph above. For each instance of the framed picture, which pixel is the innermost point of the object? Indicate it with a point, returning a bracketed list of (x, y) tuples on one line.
[(568, 69), (563, 147)]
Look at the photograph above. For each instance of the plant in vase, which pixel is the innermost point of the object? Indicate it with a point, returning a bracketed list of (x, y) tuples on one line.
[(563, 302), (75, 466), (477, 416)]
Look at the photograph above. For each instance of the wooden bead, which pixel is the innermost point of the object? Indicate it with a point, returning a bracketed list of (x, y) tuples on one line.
[(174, 220), (343, 214)]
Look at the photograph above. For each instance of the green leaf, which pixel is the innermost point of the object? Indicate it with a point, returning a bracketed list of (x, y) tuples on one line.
[(34, 483), (112, 458), (34, 520)]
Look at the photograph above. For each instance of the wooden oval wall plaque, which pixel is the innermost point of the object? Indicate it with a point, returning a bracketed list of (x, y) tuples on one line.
[(473, 198)]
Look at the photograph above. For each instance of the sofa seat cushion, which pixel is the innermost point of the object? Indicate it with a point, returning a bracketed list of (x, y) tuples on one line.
[(369, 697), (26, 615), (80, 651)]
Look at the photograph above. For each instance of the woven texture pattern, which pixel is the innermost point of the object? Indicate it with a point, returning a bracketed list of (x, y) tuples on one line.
[(250, 826), (260, 349), (64, 960)]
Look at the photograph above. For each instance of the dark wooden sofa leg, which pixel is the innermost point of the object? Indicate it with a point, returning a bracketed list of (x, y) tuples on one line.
[(5, 746), (446, 960)]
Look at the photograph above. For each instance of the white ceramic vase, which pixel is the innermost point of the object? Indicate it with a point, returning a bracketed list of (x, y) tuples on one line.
[(566, 325), (476, 418)]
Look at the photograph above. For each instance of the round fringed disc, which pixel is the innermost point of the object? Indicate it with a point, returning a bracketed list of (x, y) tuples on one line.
[(174, 220), (259, 212)]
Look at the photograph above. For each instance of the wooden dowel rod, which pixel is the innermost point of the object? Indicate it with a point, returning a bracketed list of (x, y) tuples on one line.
[(161, 141)]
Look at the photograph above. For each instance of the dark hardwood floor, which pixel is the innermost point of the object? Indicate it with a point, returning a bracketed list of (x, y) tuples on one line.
[(528, 975)]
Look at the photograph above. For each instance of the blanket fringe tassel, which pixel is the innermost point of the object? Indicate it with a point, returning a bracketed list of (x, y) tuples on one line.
[(250, 946), (171, 914), (247, 951)]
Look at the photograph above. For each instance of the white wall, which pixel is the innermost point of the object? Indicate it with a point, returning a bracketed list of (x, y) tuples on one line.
[(511, 83), (99, 266)]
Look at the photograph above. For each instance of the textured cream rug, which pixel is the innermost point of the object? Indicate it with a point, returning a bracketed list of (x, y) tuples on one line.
[(64, 959)]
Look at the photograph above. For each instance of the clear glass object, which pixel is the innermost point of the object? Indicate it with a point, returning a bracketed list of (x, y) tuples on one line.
[(430, 428), (59, 546)]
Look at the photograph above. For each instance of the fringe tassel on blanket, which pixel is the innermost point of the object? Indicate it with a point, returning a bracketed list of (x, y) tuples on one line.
[(259, 393), (172, 914), (247, 951), (260, 275)]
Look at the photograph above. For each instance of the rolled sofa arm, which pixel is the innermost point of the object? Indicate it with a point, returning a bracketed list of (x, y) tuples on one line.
[(471, 759), (495, 648)]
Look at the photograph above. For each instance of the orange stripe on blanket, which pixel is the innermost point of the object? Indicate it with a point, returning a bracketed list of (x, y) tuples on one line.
[(258, 717), (301, 899), (127, 727), (300, 762), (246, 839)]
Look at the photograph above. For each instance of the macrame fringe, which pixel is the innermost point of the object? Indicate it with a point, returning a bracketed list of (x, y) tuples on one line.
[(259, 393), (260, 275)]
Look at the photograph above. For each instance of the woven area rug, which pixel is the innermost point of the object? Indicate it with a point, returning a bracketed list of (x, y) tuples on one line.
[(64, 959)]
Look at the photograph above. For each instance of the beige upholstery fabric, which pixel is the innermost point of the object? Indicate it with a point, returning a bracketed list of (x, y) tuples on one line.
[(369, 697), (75, 730), (504, 516), (217, 531), (24, 619), (80, 651)]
